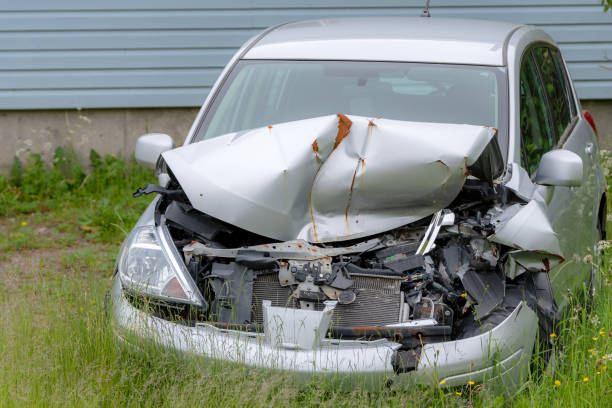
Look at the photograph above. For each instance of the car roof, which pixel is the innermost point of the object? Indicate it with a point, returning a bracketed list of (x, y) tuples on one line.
[(414, 39)]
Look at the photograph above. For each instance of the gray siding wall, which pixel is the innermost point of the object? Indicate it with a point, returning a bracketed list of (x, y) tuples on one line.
[(160, 53)]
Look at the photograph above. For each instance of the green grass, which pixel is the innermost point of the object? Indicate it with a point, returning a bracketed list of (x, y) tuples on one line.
[(59, 233)]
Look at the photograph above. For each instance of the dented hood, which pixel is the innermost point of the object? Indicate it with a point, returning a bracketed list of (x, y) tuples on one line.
[(329, 178)]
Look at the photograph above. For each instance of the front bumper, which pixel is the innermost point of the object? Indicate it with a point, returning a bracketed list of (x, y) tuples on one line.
[(500, 354)]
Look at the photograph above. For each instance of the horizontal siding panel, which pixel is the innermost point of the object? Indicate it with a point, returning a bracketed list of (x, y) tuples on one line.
[(591, 71), (113, 59), (587, 52), (212, 38), (580, 33), (129, 53), (135, 78), (89, 40), (45, 5), (594, 89), (91, 98), (223, 19)]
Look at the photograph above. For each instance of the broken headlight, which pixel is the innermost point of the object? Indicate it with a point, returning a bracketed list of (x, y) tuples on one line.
[(147, 266)]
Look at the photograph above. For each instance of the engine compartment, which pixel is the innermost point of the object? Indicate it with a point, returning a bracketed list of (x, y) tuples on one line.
[(437, 279)]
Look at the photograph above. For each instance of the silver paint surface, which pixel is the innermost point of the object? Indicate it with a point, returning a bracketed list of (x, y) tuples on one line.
[(150, 146), (528, 228), (438, 40), (503, 351), (309, 180), (560, 167)]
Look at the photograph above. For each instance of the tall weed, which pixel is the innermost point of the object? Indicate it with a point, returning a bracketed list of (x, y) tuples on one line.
[(99, 200)]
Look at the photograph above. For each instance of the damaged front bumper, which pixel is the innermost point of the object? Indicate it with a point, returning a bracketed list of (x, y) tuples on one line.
[(502, 353)]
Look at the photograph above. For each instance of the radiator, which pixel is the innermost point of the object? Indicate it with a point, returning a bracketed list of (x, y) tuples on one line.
[(378, 300)]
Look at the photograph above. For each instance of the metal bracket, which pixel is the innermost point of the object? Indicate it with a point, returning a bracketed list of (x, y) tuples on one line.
[(426, 12), (443, 217)]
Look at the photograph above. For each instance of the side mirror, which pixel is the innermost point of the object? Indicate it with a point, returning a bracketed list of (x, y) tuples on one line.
[(560, 168), (150, 146)]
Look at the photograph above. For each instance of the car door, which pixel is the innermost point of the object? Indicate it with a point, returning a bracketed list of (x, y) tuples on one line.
[(549, 120)]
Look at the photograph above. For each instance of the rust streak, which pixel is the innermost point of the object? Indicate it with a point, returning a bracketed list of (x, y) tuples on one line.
[(365, 328), (361, 172), (314, 227), (315, 149), (350, 197), (441, 162), (448, 172), (344, 127)]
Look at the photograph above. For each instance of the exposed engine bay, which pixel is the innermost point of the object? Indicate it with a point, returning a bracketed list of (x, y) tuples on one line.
[(440, 277)]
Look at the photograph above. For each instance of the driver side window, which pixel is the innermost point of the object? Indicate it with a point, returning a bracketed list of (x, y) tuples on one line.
[(537, 136)]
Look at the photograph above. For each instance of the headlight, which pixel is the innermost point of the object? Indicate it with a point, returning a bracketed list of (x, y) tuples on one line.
[(146, 266)]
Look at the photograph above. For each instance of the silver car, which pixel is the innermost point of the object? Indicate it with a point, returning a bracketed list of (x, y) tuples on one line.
[(406, 198)]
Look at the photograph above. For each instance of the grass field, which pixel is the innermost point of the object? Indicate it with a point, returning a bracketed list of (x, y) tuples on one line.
[(60, 230)]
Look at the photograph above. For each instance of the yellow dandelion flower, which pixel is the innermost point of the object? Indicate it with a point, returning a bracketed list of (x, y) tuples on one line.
[(442, 382), (557, 383), (604, 368), (590, 350), (595, 338), (602, 332), (464, 295), (80, 309), (471, 382), (585, 379), (553, 335), (113, 155), (93, 302), (598, 373), (23, 223), (458, 393)]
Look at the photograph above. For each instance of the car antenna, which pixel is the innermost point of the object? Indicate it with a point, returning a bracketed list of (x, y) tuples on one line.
[(426, 11)]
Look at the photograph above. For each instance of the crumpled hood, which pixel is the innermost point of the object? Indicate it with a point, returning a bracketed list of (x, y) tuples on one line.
[(329, 178)]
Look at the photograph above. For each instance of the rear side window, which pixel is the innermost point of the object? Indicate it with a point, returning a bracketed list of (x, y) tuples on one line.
[(557, 89), (537, 135)]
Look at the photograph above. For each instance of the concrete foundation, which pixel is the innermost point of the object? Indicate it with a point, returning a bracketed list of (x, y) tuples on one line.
[(602, 114), (116, 130), (104, 130)]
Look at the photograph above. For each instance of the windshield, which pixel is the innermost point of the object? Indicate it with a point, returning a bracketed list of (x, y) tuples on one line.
[(261, 93)]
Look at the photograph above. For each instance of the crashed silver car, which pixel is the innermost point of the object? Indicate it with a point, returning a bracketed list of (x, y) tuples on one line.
[(408, 198)]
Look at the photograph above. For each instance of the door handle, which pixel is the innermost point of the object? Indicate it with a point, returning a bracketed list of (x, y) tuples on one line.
[(589, 148)]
